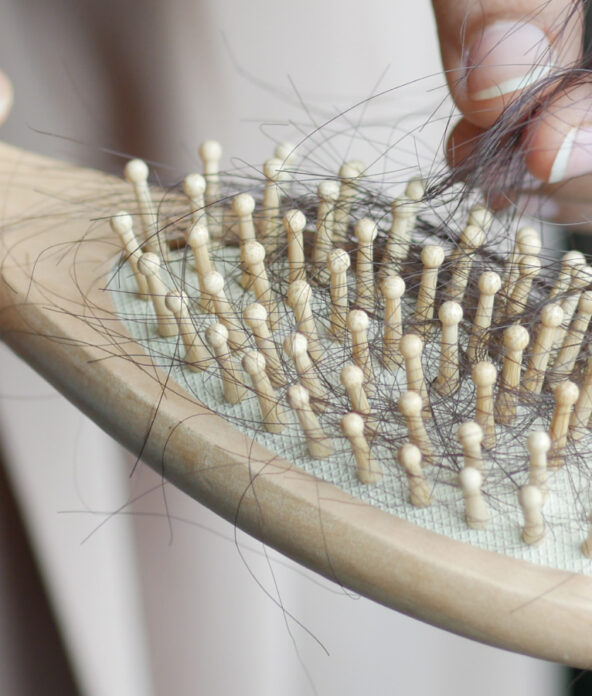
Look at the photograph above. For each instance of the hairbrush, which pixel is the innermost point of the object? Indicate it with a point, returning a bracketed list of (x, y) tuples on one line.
[(399, 400)]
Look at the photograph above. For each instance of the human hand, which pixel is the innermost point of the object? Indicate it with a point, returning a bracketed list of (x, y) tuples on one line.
[(493, 52)]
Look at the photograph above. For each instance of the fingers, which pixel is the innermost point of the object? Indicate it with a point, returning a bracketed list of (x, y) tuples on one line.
[(559, 141), (556, 144), (463, 142), (568, 203), (493, 49), (490, 168), (554, 201), (5, 97)]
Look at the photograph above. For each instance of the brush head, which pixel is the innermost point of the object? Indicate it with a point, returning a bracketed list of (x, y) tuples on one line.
[(294, 221), (254, 313), (484, 374), (217, 336), (198, 235), (122, 224), (210, 151), (411, 346), (489, 283), (552, 315), (149, 264), (365, 231), (432, 256), (136, 171), (253, 362), (194, 185), (339, 261), (393, 287), (243, 204)]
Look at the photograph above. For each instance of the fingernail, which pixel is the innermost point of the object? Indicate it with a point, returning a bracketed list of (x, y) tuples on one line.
[(574, 157), (506, 58)]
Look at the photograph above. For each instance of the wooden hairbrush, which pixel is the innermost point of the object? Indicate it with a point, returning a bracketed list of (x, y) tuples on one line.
[(338, 383)]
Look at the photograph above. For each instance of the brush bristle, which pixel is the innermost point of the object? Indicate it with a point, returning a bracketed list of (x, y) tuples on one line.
[(464, 352)]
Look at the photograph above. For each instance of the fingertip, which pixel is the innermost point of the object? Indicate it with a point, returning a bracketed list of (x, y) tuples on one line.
[(558, 145)]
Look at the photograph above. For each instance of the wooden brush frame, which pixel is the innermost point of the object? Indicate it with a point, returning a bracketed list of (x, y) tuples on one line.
[(55, 268)]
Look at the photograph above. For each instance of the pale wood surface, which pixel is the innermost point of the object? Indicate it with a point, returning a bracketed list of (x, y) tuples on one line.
[(54, 310)]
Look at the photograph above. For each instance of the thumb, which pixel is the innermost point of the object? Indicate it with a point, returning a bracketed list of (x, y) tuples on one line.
[(5, 97), (494, 48)]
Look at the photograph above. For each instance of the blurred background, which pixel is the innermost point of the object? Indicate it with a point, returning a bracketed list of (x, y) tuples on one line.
[(117, 584)]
